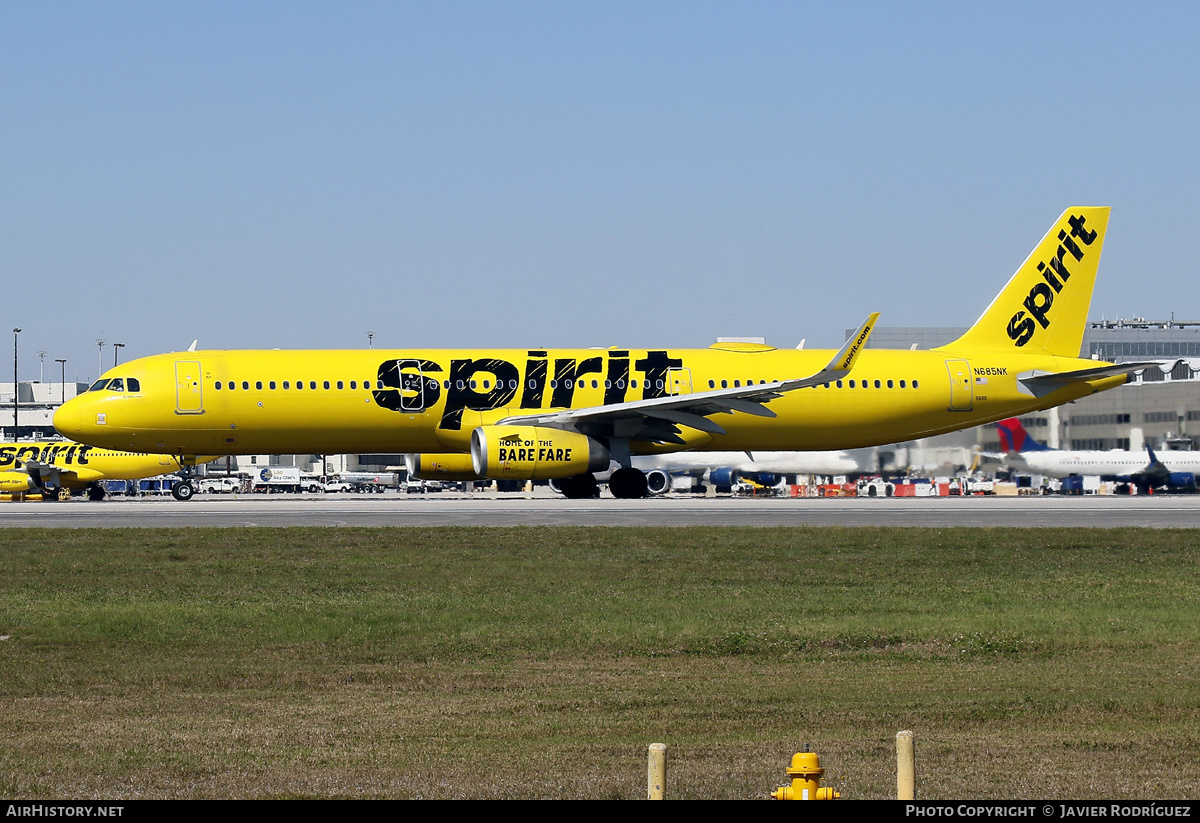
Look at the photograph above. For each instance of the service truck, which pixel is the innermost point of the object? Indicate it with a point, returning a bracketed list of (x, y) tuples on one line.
[(275, 479)]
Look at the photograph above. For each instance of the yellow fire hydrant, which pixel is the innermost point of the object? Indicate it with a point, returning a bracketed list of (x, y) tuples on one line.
[(806, 773)]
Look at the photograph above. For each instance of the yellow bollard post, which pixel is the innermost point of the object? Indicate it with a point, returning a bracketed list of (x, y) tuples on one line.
[(906, 768), (656, 772)]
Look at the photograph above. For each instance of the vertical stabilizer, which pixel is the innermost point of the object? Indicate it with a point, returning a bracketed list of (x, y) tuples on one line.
[(1014, 438), (1043, 308)]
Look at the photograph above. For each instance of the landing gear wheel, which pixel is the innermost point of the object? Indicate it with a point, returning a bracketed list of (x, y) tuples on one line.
[(628, 484), (579, 487), (95, 493), (183, 491)]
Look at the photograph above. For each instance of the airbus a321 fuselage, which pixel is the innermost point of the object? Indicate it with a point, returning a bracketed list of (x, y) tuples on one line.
[(566, 414)]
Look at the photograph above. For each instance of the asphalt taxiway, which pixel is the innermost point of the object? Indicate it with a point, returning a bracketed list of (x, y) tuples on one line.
[(516, 510)]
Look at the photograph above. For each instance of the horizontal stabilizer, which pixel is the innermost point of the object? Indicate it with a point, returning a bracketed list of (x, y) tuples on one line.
[(1039, 384)]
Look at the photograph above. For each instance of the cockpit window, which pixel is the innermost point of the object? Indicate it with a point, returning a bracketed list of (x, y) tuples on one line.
[(116, 384), (98, 385), (133, 385)]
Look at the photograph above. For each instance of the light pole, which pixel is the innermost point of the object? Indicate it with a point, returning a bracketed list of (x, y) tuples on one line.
[(16, 431), (63, 399), (41, 367), (116, 348), (100, 357), (370, 340)]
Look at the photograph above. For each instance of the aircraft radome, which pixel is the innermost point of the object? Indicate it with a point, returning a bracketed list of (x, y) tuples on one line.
[(533, 413)]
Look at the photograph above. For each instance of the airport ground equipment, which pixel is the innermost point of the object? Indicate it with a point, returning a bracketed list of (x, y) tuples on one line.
[(806, 774)]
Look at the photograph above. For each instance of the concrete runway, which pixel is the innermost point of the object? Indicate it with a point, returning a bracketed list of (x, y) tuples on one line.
[(516, 510)]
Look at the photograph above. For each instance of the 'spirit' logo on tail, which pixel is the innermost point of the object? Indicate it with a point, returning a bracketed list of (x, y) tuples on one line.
[(1041, 297)]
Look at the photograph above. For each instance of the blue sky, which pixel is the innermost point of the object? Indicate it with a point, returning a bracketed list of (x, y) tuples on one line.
[(574, 174)]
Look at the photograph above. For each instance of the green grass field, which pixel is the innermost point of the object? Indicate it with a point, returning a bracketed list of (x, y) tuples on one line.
[(540, 662)]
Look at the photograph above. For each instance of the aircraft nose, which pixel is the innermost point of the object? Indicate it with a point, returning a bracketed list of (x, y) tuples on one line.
[(68, 420)]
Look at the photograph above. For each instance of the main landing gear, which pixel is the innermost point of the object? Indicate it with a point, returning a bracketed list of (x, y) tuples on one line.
[(628, 484), (579, 487)]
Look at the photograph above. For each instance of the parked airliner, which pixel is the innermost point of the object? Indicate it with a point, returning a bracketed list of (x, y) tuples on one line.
[(55, 469), (1146, 470)]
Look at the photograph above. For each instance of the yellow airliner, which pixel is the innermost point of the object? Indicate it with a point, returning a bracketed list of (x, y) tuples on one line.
[(566, 414), (55, 469)]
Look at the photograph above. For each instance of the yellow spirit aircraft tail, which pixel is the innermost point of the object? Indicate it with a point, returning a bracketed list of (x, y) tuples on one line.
[(1043, 307)]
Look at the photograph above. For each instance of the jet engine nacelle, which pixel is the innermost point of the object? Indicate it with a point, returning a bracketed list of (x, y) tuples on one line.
[(723, 477), (534, 453), (17, 482), (440, 467), (658, 481), (1185, 480)]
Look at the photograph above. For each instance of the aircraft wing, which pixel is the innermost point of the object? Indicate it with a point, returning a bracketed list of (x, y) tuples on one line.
[(658, 418), (1039, 383), (41, 471), (46, 474)]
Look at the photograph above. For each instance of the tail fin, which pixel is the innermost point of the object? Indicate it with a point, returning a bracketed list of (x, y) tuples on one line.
[(1014, 438), (1043, 307)]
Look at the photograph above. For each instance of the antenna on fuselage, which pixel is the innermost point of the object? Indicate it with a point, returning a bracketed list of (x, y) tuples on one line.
[(802, 342), (193, 346)]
